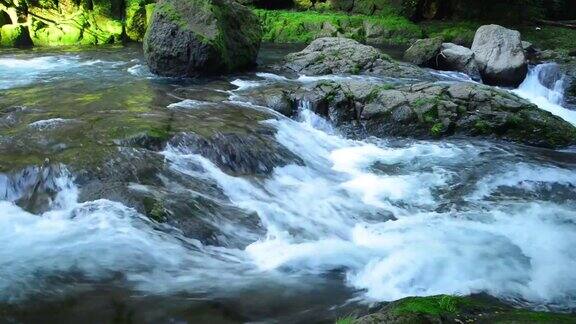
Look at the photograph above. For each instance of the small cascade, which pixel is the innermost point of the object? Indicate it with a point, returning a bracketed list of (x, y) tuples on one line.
[(37, 189), (544, 86), (306, 115), (546, 80)]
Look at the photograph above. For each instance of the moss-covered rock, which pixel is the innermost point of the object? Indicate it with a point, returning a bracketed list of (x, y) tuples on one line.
[(453, 309), (425, 110), (15, 35), (424, 51), (302, 27), (71, 22), (192, 37)]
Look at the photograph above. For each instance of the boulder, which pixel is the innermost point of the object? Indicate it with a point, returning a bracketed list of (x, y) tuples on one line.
[(427, 110), (458, 58), (332, 55), (195, 37), (424, 52), (500, 55)]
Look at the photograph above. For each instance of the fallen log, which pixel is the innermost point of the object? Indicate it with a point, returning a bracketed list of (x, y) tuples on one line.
[(556, 23)]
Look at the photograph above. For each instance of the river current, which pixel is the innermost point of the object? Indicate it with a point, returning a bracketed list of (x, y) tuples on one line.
[(355, 223)]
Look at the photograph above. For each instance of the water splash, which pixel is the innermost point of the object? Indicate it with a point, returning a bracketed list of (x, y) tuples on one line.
[(544, 86)]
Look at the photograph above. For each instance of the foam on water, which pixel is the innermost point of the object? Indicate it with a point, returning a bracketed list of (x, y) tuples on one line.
[(372, 209), (547, 98), (382, 229), (190, 104), (98, 240)]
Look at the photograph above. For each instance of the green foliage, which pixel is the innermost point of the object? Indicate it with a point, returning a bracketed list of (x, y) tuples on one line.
[(434, 305), (459, 32), (302, 27), (15, 36), (346, 320), (549, 37), (437, 129)]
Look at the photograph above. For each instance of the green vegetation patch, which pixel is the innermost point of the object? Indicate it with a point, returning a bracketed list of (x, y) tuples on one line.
[(435, 305), (282, 26)]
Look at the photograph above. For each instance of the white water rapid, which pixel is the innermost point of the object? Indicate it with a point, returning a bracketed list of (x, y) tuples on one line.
[(544, 86), (396, 218)]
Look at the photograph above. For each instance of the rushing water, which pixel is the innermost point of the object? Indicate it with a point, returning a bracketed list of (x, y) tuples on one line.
[(355, 222)]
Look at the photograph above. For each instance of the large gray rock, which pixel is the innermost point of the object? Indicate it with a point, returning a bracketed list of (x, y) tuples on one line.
[(425, 110), (332, 55), (458, 58), (424, 52), (193, 37), (500, 55)]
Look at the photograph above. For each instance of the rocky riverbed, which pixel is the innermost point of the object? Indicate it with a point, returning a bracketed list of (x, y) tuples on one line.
[(131, 197)]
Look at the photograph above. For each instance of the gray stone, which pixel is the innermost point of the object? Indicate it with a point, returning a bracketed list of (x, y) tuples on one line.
[(458, 58), (424, 52), (333, 55), (500, 55)]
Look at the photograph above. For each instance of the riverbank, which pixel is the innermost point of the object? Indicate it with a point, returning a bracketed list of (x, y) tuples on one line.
[(286, 26)]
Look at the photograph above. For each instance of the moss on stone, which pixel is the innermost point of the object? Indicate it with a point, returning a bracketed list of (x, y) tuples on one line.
[(15, 35), (302, 27), (456, 309), (437, 129)]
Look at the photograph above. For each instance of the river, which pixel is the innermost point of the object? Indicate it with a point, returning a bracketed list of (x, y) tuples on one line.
[(347, 224)]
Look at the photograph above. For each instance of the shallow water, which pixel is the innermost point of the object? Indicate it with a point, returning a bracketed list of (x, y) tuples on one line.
[(353, 223)]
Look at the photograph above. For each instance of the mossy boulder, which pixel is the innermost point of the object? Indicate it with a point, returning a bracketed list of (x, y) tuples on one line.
[(424, 52), (15, 36), (424, 110), (194, 37), (334, 55), (455, 309)]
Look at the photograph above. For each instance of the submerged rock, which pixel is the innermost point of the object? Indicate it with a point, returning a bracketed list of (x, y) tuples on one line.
[(500, 55), (255, 153), (333, 55), (193, 37)]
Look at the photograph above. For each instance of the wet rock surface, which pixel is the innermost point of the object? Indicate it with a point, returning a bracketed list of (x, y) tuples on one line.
[(429, 110), (191, 38), (346, 56)]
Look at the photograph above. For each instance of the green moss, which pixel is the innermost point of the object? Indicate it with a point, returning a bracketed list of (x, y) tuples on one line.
[(460, 32), (149, 11), (302, 27), (549, 37), (435, 305), (346, 320), (472, 309), (482, 127), (155, 209), (15, 36), (437, 129)]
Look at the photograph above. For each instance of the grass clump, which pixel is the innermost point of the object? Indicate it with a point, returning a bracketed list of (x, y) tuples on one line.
[(459, 32), (434, 305)]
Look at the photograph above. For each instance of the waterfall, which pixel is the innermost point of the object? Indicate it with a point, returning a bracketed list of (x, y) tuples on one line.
[(544, 86)]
